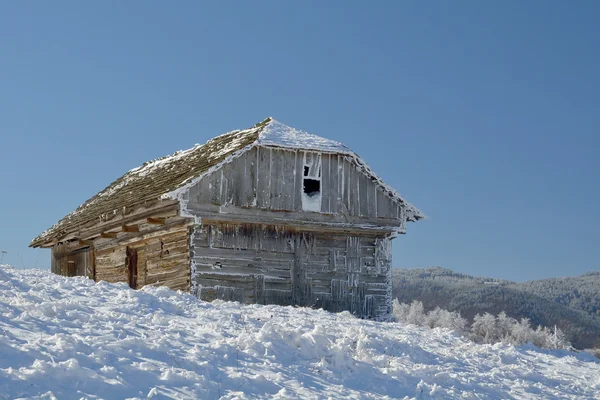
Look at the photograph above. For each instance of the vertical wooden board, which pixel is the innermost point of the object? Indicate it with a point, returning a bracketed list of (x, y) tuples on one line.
[(370, 197), (204, 192), (220, 185), (345, 203), (215, 189), (193, 192), (228, 190), (250, 179), (373, 200), (353, 254), (325, 183), (381, 203), (348, 169), (363, 183), (284, 191), (353, 183), (289, 180), (276, 179), (333, 184), (299, 182), (384, 206), (341, 203), (393, 210), (263, 192), (238, 165), (224, 184)]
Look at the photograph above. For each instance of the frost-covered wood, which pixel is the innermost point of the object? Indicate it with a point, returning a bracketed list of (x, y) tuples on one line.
[(274, 179), (271, 264)]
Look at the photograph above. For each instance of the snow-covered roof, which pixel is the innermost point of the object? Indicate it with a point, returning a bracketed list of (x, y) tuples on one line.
[(281, 135), (161, 178)]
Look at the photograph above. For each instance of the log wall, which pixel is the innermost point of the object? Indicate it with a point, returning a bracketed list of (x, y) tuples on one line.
[(163, 258)]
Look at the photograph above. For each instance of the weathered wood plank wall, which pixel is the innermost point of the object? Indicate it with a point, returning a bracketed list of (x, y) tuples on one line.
[(272, 178), (264, 264), (163, 258), (72, 260), (257, 243)]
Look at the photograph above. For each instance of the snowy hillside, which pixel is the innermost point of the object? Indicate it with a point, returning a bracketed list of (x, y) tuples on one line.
[(572, 303), (70, 338)]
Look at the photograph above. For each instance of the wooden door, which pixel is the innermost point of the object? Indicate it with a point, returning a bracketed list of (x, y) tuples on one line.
[(131, 261), (68, 261)]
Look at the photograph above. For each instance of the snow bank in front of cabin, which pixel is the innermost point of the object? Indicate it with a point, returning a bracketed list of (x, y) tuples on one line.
[(73, 338)]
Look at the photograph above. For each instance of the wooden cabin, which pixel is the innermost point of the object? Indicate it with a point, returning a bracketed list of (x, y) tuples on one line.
[(268, 215)]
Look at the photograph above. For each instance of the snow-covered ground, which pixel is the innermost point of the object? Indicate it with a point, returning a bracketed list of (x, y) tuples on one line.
[(70, 338)]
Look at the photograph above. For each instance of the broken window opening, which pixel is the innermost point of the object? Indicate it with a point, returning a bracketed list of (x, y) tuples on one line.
[(312, 187), (311, 184)]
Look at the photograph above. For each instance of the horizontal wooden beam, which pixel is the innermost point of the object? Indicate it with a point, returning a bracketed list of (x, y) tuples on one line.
[(86, 242), (130, 228), (152, 231), (108, 235), (156, 221), (94, 226)]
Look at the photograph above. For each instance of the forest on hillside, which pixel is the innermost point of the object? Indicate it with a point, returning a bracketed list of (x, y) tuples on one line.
[(570, 303)]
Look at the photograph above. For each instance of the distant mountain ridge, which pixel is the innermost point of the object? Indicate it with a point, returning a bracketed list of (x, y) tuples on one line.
[(571, 303)]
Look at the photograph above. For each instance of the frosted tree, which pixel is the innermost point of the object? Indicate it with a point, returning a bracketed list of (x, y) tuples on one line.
[(556, 339), (416, 314), (451, 320), (521, 332), (484, 328), (539, 337), (433, 319), (504, 325), (400, 310)]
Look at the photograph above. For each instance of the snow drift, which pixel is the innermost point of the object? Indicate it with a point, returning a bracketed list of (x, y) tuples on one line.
[(72, 338)]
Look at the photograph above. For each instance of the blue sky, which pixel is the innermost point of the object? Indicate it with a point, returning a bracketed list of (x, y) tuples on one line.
[(486, 115)]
